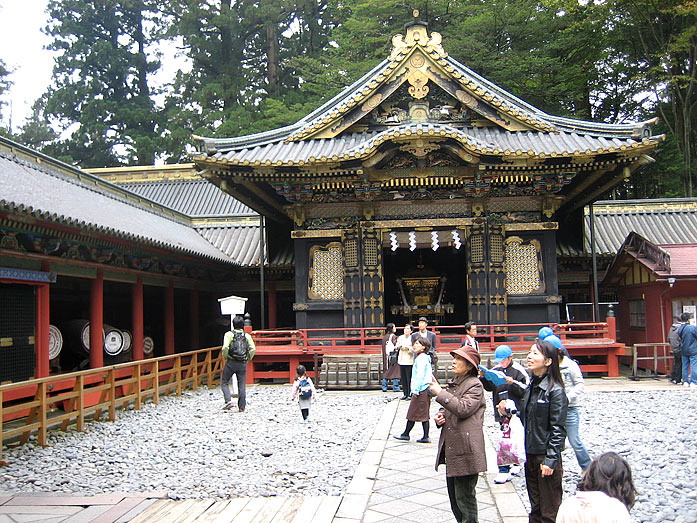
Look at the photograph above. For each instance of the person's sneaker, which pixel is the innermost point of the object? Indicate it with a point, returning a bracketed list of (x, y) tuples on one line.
[(502, 477), (424, 440), (516, 469), (693, 385), (685, 384), (241, 409), (227, 406), (401, 437)]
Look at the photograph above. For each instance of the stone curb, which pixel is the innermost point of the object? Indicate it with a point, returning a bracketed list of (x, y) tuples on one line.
[(355, 500)]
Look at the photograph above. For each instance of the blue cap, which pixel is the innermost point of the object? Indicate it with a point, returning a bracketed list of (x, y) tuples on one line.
[(502, 352), (544, 332), (554, 340)]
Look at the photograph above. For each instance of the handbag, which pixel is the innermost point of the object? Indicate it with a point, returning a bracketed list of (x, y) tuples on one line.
[(392, 360)]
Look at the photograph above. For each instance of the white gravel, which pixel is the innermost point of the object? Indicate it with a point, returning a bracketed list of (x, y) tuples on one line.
[(191, 448), (656, 431)]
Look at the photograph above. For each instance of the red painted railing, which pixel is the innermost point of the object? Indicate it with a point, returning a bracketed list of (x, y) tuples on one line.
[(304, 345)]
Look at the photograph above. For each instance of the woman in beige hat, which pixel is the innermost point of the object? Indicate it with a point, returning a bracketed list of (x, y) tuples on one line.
[(461, 445)]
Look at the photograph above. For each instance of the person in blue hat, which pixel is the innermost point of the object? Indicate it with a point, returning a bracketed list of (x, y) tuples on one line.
[(517, 380)]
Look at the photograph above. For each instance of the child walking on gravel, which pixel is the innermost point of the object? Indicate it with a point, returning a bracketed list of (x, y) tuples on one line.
[(304, 390)]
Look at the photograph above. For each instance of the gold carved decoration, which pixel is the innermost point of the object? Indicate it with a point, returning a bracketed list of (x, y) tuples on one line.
[(351, 252), (326, 276), (418, 80), (417, 60), (372, 102), (466, 98), (523, 266), (420, 147)]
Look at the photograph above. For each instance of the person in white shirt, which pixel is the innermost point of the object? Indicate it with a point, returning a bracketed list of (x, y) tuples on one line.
[(405, 360), (470, 333), (605, 493)]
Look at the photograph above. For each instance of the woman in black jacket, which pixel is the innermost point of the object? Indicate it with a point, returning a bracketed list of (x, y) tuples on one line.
[(543, 413)]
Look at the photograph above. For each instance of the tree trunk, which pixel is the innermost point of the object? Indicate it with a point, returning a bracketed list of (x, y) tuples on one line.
[(272, 59)]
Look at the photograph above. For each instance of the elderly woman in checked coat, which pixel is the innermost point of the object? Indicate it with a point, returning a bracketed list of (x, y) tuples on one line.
[(461, 445)]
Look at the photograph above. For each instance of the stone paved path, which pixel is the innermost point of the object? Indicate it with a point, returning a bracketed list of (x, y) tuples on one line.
[(396, 481)]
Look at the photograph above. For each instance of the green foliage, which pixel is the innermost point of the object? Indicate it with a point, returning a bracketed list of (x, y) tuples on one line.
[(255, 65), (100, 92)]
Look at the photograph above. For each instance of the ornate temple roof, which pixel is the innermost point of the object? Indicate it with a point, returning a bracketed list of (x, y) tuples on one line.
[(421, 118), (503, 123)]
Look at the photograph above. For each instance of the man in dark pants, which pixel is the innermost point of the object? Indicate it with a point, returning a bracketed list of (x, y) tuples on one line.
[(674, 339), (236, 364)]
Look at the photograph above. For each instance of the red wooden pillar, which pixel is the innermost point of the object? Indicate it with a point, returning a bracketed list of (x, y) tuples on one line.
[(250, 365), (97, 321), (272, 305), (169, 318), (293, 364), (137, 318), (194, 341), (43, 320)]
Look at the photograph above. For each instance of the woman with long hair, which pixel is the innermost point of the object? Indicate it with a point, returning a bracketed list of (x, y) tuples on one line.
[(604, 495), (543, 413), (389, 346)]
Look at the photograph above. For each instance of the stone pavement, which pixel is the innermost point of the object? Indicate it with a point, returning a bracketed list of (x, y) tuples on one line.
[(396, 480)]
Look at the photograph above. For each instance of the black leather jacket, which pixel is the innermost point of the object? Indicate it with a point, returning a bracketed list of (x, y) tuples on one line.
[(544, 418)]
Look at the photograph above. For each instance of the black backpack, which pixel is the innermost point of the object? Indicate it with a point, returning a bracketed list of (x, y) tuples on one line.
[(239, 348)]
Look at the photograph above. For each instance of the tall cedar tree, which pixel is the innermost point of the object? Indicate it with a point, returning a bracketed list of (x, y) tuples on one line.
[(4, 86), (247, 66), (101, 80)]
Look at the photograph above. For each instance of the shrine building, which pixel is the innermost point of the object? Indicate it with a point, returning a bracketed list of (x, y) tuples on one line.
[(424, 189)]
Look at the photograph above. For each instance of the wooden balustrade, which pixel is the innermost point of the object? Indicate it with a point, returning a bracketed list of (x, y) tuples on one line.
[(27, 407)]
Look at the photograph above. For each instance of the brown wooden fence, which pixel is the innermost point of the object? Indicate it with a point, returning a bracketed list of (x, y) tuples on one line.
[(29, 407)]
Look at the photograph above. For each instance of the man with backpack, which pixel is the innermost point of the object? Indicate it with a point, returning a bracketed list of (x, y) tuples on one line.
[(238, 350)]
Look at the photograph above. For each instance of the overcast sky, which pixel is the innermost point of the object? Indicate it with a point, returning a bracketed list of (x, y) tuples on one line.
[(22, 49)]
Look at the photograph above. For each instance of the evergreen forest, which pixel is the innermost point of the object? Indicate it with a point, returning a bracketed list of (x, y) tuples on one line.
[(253, 65)]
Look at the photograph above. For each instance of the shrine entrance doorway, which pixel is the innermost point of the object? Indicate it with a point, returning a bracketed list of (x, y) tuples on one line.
[(423, 282)]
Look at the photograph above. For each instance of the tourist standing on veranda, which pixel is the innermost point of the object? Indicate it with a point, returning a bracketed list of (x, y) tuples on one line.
[(421, 378), (688, 345), (470, 333), (543, 413), (405, 360), (517, 380), (461, 444), (676, 349), (423, 332), (389, 359), (574, 386), (238, 350), (605, 493)]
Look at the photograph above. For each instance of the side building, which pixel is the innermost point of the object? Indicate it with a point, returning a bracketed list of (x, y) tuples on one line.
[(76, 249)]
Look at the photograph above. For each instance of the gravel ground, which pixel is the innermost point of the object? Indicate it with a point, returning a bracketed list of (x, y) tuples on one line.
[(656, 431), (190, 448)]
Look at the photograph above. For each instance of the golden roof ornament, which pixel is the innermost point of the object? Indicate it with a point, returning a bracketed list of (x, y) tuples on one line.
[(417, 34)]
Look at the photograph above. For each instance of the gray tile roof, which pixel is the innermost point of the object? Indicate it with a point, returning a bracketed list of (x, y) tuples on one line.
[(665, 221), (567, 140), (239, 242), (59, 193), (195, 198), (488, 140)]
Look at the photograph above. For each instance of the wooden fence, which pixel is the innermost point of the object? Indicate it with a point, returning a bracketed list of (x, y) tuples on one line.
[(89, 394)]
